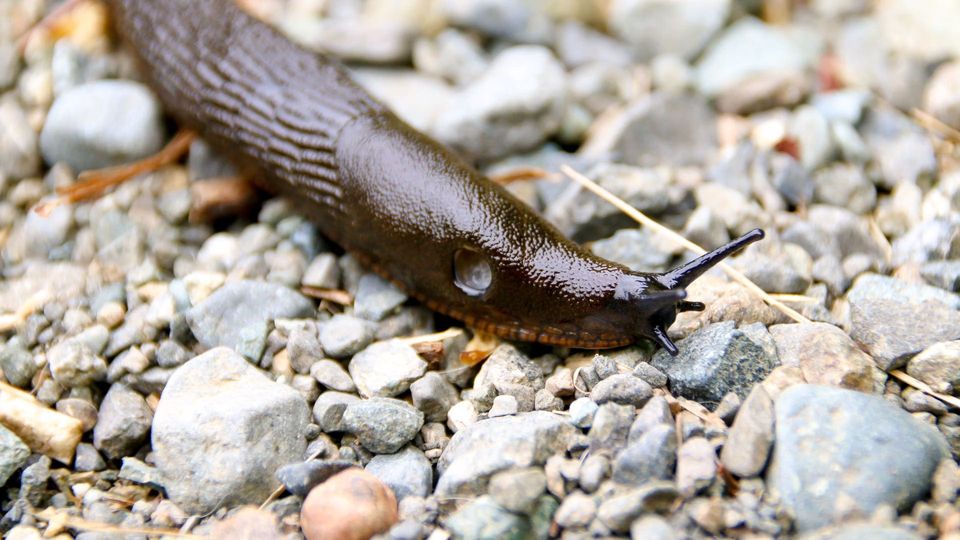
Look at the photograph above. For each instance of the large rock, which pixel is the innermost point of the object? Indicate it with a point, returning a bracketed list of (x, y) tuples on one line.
[(514, 106), (481, 449), (714, 361), (841, 453), (102, 123), (238, 315), (222, 429)]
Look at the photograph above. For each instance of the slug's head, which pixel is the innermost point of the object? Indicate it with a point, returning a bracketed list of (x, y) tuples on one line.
[(651, 301)]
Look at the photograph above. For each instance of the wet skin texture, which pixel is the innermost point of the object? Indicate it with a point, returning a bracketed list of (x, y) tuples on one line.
[(399, 201)]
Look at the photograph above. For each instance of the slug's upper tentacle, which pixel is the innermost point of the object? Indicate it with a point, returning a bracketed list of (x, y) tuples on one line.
[(404, 204)]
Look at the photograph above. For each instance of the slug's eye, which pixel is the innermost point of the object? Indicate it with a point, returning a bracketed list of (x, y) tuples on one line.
[(472, 273)]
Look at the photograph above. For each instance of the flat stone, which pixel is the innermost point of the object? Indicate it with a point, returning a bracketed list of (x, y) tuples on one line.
[(713, 361), (488, 446), (332, 375), (610, 428), (376, 298), (841, 453), (622, 388), (221, 430), (238, 315), (329, 408), (750, 437), (407, 472), (322, 272), (888, 329), (102, 123), (825, 354), (17, 363), (383, 425), (386, 368)]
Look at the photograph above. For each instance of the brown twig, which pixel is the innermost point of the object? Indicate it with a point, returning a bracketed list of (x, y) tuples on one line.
[(924, 387)]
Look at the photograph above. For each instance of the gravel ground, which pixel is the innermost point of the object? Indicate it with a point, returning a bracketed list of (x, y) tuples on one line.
[(175, 373)]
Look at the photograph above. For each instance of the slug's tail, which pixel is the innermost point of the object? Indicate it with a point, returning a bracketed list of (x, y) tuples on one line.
[(684, 274), (664, 305)]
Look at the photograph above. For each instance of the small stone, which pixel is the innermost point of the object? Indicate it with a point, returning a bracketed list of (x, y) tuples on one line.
[(845, 105), (507, 371), (656, 412), (138, 472), (545, 401), (946, 481), (218, 412), (728, 407), (619, 511), (484, 518), (652, 527), (525, 85), (88, 459), (560, 384), (376, 298), (929, 240), (844, 184), (39, 235), (518, 490), (172, 354), (383, 425), (13, 454), (352, 505), (303, 349), (329, 408), (102, 123), (610, 429), (938, 365), (622, 388), (750, 437), (238, 315), (634, 248), (453, 55), (74, 364), (322, 273), (462, 415), (433, 395), (504, 405), (943, 274), (825, 354), (17, 363), (332, 375), (785, 270), (713, 361), (888, 330), (496, 444), (655, 28), (18, 141), (344, 335), (696, 466), (386, 368), (582, 411), (248, 523), (902, 149), (888, 457), (80, 409), (300, 478), (407, 472), (650, 457), (577, 510)]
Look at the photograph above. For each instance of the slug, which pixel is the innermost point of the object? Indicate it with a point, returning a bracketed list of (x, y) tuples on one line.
[(403, 204)]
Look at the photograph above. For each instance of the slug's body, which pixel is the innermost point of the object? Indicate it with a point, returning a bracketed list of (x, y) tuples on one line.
[(399, 201)]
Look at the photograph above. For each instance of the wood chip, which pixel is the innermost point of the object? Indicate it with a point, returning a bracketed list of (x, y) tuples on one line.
[(44, 430)]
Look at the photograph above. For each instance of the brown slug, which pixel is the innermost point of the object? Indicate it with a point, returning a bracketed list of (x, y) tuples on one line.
[(402, 203)]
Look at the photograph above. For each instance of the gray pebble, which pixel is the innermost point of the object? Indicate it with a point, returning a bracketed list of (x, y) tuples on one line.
[(938, 365), (611, 427), (943, 274), (543, 400), (138, 472), (87, 459), (344, 335), (376, 298), (713, 361), (329, 408), (931, 240), (622, 388), (433, 395), (172, 354), (650, 457), (13, 454), (123, 422), (582, 411), (238, 315), (17, 363), (18, 142), (304, 349), (654, 413), (634, 248), (102, 123), (332, 375), (484, 518), (300, 478), (652, 527), (846, 185), (386, 368), (513, 106), (888, 457), (503, 405), (218, 412), (507, 371), (407, 472), (323, 272), (518, 490), (81, 409), (73, 364), (653, 29), (593, 470), (383, 425), (492, 445)]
